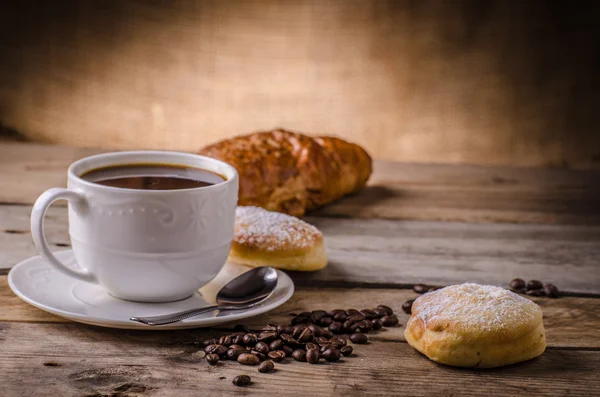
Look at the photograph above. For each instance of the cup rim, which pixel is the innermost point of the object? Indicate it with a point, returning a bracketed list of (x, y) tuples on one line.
[(231, 175)]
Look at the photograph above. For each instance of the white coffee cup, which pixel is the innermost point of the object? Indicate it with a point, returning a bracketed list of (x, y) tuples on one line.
[(144, 245)]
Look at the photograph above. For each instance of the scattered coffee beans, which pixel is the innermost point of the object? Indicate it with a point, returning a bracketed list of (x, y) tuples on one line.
[(407, 306), (309, 337), (266, 366), (241, 380), (212, 358), (533, 288)]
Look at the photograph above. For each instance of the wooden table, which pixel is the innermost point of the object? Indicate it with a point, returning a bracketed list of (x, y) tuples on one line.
[(414, 223)]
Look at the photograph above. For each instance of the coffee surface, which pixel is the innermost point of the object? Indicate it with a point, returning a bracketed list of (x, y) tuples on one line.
[(152, 177)]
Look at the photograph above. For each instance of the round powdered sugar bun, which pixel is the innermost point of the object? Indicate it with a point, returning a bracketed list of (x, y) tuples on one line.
[(267, 238), (472, 325)]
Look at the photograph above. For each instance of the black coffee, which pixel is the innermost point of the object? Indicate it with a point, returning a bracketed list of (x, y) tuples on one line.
[(152, 177)]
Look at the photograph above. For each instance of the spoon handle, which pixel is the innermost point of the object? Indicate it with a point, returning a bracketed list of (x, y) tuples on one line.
[(174, 317)]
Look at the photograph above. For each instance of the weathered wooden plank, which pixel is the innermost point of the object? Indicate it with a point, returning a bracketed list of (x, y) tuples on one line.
[(74, 359), (474, 194), (392, 252), (570, 321), (395, 191)]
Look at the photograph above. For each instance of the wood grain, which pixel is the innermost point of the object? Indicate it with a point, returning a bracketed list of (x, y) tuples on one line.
[(391, 252), (76, 360), (570, 322), (395, 191)]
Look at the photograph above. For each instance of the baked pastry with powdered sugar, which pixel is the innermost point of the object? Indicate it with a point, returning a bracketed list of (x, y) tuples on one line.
[(267, 238), (476, 326)]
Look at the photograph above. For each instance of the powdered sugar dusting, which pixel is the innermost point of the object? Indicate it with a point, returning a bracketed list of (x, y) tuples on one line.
[(478, 307), (273, 230)]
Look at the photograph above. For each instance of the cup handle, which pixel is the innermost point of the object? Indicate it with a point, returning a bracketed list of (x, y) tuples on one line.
[(38, 213)]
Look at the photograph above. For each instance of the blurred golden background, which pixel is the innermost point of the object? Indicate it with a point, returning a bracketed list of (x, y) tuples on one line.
[(482, 82)]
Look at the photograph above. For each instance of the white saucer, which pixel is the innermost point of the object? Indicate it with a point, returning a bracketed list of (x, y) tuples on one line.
[(39, 284)]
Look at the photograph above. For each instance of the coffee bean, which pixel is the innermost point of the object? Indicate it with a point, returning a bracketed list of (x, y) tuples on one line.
[(241, 328), (233, 354), (327, 333), (249, 339), (535, 292), (389, 321), (407, 306), (258, 354), (248, 359), (237, 347), (310, 346), (211, 341), (377, 325), (267, 336), (551, 290), (277, 355), (336, 327), (349, 326), (266, 366), (420, 288), (287, 339), (241, 380), (331, 354), (339, 316), (298, 330), (284, 329), (350, 312), (534, 284), (368, 314), (212, 358), (225, 340), (304, 314), (333, 312), (359, 338), (313, 356), (216, 349), (364, 326), (325, 321), (269, 327), (287, 350), (355, 317), (276, 344), (261, 347), (300, 320), (299, 355), (346, 350), (316, 315), (237, 340), (305, 336), (316, 330), (379, 313), (431, 289), (388, 310), (517, 284), (338, 342), (321, 340)]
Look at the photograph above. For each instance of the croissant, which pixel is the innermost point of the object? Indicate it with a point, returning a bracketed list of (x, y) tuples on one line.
[(293, 173)]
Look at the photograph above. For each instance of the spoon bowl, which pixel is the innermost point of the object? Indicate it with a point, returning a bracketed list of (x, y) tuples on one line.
[(245, 291)]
